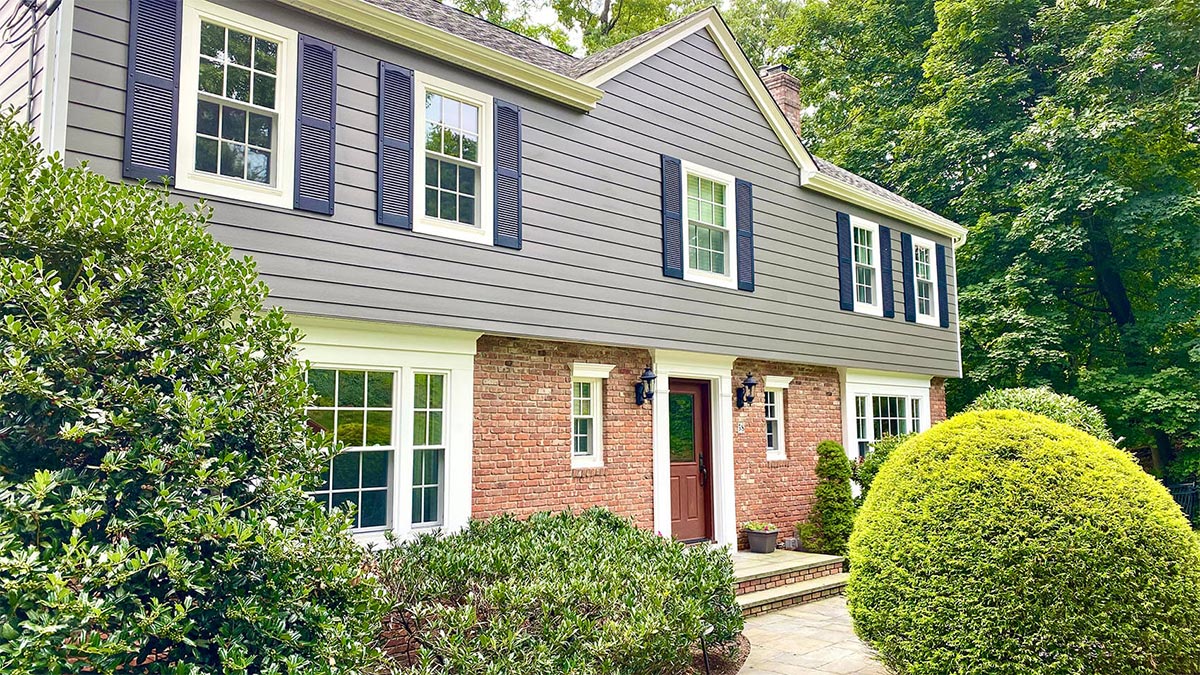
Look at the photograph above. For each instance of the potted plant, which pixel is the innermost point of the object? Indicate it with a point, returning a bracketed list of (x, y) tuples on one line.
[(762, 536)]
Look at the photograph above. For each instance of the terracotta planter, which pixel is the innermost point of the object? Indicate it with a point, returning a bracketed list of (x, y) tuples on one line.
[(762, 542)]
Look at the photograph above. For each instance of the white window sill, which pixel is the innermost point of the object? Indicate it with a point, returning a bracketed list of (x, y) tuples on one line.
[(698, 276), (871, 310), (928, 320), (231, 188), (588, 462), (776, 457), (443, 228)]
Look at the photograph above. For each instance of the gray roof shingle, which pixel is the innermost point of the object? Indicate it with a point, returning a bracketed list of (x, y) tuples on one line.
[(850, 178)]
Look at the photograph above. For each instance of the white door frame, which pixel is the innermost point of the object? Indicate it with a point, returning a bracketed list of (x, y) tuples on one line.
[(718, 371)]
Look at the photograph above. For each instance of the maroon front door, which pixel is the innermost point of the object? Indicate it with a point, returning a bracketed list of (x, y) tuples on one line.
[(691, 459)]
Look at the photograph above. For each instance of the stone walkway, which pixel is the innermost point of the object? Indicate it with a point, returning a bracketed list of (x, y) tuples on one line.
[(812, 639)]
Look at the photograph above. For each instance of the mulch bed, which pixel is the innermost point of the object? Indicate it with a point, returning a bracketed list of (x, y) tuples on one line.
[(718, 662)]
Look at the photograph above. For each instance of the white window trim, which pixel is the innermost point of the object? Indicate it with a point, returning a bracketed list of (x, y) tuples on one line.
[(283, 155), (875, 309), (930, 319), (779, 385), (857, 383), (331, 343), (596, 374), (729, 279), (422, 82)]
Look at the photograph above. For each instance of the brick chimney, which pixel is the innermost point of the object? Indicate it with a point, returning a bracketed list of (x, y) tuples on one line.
[(785, 89)]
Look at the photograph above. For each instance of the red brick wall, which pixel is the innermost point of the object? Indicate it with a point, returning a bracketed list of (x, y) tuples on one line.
[(937, 400), (781, 492), (523, 431)]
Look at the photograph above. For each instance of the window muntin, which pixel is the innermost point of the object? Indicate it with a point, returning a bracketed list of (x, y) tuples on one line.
[(236, 112), (585, 410), (923, 281), (864, 266), (708, 234), (356, 407), (773, 404), (452, 164), (877, 416), (429, 448)]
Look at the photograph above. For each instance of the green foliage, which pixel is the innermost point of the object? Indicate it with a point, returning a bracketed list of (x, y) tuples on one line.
[(559, 593), (152, 448), (754, 23), (757, 526), (866, 470), (1004, 542), (832, 516), (604, 23), (517, 16), (1063, 135), (1046, 402)]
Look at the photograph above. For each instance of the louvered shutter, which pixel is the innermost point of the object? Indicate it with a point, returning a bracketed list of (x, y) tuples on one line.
[(508, 175), (672, 217), (744, 201), (152, 89), (886, 290), (845, 262), (906, 269), (315, 125), (942, 288), (394, 154)]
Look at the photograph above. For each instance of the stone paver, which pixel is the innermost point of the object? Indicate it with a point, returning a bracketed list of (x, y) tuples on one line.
[(812, 639)]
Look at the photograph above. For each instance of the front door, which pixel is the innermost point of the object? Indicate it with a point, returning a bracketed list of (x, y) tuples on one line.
[(691, 460)]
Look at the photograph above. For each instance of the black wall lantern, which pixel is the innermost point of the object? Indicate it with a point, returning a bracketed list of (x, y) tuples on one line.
[(745, 394), (644, 390)]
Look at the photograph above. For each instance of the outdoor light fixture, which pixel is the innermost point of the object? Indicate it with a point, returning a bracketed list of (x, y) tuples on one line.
[(746, 391), (644, 390)]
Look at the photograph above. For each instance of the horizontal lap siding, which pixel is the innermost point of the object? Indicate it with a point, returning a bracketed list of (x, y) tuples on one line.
[(590, 269), (14, 65)]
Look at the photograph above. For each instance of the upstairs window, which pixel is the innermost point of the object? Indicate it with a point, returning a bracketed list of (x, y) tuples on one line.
[(708, 226), (237, 92), (453, 194), (923, 281), (865, 239)]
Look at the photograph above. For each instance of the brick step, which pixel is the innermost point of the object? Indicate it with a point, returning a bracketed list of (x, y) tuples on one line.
[(796, 593), (759, 572)]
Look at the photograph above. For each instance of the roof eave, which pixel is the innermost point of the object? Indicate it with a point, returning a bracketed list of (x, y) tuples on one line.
[(826, 184), (369, 18)]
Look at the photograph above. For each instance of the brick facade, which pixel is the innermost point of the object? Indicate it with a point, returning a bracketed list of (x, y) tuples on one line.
[(522, 459), (937, 400), (781, 491)]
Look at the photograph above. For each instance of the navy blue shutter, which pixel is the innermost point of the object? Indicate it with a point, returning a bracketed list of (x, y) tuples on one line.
[(744, 201), (508, 175), (152, 89), (906, 267), (317, 104), (887, 292), (394, 158), (845, 262), (942, 289), (672, 217)]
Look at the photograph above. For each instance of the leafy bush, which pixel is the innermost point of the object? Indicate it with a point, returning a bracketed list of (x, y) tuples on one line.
[(558, 593), (152, 448), (828, 528), (1004, 542), (866, 470), (1045, 401)]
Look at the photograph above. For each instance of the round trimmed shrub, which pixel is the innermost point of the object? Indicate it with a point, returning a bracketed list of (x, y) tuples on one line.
[(1005, 542), (1045, 401)]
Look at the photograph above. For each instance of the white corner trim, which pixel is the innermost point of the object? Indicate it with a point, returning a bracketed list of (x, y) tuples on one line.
[(56, 80), (776, 382), (396, 28), (592, 371)]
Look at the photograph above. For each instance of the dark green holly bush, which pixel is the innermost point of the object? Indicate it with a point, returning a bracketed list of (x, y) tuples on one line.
[(559, 593), (153, 457), (1045, 401), (1005, 542), (828, 528)]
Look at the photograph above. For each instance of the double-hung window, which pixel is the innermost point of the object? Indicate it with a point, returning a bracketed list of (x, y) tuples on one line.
[(884, 405), (587, 414), (453, 162), (774, 405), (236, 105), (864, 236), (429, 448), (711, 254), (923, 281)]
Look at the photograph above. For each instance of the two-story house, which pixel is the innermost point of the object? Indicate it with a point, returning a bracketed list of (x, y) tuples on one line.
[(527, 280)]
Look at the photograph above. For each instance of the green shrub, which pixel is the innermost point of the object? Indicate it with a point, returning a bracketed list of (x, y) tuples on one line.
[(559, 593), (866, 470), (152, 448), (1045, 401), (828, 528), (1004, 542)]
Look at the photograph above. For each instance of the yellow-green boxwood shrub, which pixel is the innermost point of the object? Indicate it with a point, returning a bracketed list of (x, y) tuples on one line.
[(1048, 403), (1004, 542), (581, 593)]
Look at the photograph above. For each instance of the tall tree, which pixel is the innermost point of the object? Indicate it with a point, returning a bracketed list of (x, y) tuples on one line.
[(754, 22), (1066, 135), (518, 16), (604, 23)]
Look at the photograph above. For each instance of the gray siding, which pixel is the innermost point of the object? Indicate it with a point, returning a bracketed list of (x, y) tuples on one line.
[(590, 269), (14, 63)]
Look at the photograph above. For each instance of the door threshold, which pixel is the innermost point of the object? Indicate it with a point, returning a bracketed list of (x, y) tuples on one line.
[(697, 541)]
